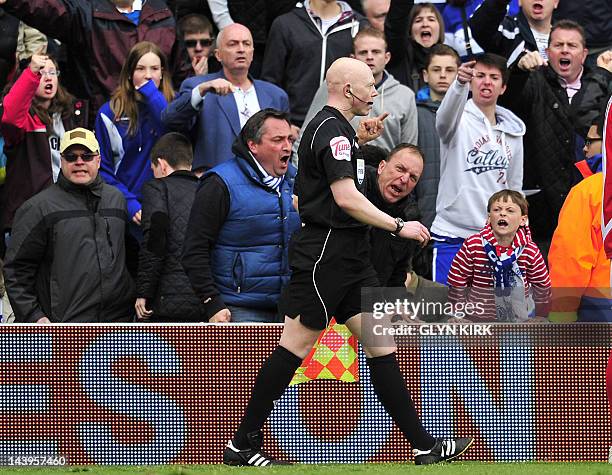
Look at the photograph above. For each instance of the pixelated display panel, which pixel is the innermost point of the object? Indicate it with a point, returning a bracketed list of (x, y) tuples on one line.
[(154, 394)]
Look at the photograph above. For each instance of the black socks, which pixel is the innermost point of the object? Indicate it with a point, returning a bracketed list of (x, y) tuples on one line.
[(392, 392), (389, 385), (270, 384)]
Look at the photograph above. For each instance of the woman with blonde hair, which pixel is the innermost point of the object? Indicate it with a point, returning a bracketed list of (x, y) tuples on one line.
[(129, 124), (37, 112)]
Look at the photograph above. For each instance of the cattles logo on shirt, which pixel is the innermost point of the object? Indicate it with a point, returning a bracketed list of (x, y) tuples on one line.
[(340, 148)]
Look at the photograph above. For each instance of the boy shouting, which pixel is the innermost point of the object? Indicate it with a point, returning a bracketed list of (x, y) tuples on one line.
[(500, 267)]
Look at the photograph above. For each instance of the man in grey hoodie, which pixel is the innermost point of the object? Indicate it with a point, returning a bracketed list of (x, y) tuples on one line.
[(370, 47)]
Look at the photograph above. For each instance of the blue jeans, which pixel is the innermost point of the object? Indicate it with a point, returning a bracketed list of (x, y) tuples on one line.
[(253, 315)]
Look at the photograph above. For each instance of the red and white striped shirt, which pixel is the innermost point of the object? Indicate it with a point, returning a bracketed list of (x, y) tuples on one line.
[(471, 277)]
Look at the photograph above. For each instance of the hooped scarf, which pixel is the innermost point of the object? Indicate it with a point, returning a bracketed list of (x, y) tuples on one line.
[(510, 302)]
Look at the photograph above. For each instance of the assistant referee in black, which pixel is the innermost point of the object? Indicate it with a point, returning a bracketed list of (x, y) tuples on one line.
[(330, 264)]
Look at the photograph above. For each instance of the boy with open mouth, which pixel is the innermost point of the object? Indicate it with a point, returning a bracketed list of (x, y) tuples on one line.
[(501, 268)]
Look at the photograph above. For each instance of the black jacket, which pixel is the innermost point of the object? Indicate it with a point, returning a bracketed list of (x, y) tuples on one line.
[(407, 56), (297, 55), (485, 24), (66, 256), (427, 188), (9, 27), (390, 255), (166, 204), (554, 127)]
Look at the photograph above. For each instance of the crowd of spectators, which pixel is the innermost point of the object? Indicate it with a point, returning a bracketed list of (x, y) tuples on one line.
[(497, 94)]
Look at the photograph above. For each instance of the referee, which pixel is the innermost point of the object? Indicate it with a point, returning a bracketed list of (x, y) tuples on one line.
[(330, 265)]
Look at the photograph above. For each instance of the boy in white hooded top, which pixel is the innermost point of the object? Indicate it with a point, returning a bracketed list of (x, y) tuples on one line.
[(481, 152)]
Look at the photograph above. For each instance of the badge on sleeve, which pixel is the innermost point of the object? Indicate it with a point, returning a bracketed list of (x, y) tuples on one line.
[(360, 170), (340, 148)]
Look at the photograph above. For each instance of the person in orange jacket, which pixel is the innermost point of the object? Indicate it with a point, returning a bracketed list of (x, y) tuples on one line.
[(579, 268)]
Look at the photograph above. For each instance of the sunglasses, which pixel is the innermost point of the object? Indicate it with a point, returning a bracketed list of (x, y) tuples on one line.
[(204, 42), (591, 140), (73, 157)]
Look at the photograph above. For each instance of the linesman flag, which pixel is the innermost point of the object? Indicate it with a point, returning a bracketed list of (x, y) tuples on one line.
[(334, 356), (606, 218)]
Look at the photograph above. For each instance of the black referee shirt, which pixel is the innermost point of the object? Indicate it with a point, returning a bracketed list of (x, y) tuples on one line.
[(328, 152)]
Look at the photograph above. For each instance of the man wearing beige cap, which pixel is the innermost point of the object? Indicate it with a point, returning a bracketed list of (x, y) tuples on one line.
[(66, 258)]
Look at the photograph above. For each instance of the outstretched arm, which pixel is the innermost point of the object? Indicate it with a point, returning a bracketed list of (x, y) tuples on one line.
[(451, 109), (181, 113), (359, 207), (18, 100)]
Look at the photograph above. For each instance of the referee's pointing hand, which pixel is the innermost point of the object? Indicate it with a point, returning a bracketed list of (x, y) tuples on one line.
[(370, 129), (415, 230)]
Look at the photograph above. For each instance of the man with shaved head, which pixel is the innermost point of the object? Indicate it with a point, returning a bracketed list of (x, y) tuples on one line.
[(214, 107), (330, 264), (370, 47)]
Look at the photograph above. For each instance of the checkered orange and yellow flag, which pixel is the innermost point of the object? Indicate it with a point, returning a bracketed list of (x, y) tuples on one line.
[(334, 356)]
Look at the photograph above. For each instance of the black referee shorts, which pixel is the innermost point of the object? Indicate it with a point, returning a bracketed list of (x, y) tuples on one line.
[(329, 268)]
